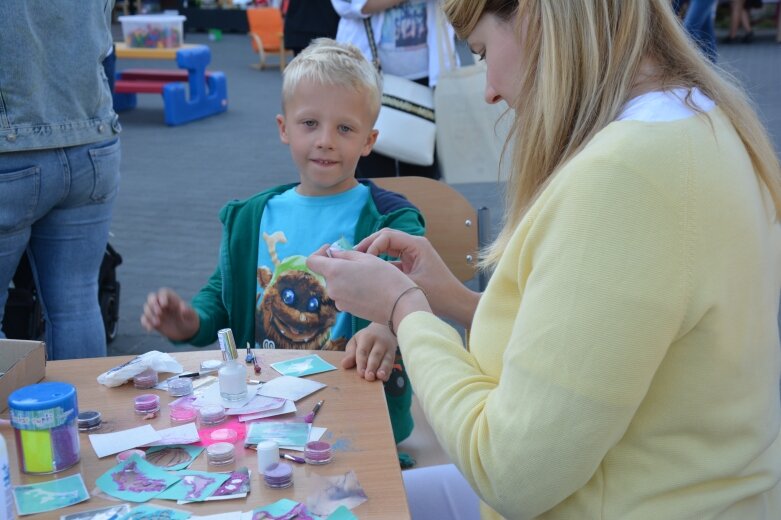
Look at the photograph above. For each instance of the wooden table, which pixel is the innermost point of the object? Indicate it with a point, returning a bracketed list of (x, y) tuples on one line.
[(354, 412)]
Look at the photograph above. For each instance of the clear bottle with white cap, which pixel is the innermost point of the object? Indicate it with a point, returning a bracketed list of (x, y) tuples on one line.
[(232, 375)]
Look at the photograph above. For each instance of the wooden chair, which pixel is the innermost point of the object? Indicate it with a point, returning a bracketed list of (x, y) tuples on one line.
[(452, 224), (266, 34)]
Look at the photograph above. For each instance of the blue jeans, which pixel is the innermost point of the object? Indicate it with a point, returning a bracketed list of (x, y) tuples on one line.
[(699, 23), (57, 204)]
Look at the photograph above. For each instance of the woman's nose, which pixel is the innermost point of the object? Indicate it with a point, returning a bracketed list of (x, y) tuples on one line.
[(491, 96)]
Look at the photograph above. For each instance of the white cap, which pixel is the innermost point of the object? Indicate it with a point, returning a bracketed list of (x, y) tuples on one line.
[(268, 454)]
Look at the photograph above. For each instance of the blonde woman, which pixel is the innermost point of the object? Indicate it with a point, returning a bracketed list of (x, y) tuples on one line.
[(623, 362)]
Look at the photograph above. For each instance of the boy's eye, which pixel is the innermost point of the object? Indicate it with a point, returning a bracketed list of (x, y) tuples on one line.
[(344, 128), (288, 297), (310, 123), (313, 305)]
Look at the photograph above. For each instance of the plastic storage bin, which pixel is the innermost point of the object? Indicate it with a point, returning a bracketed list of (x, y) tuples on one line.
[(152, 31)]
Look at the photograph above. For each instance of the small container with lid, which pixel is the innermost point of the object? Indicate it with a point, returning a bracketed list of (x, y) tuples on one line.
[(220, 453), (211, 415), (146, 403), (182, 413), (317, 452), (122, 456), (268, 454), (89, 420), (278, 476), (146, 379), (44, 420), (180, 386)]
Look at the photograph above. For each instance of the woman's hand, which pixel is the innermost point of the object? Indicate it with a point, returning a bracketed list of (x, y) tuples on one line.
[(362, 284), (420, 262)]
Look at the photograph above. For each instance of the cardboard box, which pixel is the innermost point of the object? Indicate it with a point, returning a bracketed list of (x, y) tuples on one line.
[(22, 363)]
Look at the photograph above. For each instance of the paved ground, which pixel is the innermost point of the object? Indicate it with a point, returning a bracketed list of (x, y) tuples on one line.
[(175, 179)]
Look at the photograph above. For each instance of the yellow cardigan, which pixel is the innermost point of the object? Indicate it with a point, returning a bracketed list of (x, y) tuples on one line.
[(624, 360)]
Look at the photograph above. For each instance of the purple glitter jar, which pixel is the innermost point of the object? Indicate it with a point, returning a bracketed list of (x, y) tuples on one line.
[(317, 452), (278, 476), (146, 403)]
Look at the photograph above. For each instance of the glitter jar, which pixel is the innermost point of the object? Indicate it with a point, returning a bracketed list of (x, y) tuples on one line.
[(146, 379), (211, 414), (180, 386), (182, 413), (146, 404), (44, 420), (220, 453), (317, 452), (224, 435), (122, 456), (89, 420), (278, 476)]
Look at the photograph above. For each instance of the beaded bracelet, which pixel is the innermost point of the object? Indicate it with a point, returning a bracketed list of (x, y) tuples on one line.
[(393, 309)]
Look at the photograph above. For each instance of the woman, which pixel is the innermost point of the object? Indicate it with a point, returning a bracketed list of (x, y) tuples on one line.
[(623, 362)]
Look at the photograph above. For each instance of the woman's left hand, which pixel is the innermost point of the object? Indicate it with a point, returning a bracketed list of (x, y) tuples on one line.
[(362, 284)]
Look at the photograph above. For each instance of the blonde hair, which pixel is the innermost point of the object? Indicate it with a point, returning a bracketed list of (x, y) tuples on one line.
[(583, 62), (327, 62)]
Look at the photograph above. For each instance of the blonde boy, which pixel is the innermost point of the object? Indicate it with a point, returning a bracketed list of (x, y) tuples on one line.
[(261, 287)]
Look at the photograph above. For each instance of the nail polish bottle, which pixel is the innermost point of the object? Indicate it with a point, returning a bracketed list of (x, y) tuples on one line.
[(232, 375)]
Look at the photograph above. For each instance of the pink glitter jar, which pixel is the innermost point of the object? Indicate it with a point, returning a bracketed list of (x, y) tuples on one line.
[(317, 452)]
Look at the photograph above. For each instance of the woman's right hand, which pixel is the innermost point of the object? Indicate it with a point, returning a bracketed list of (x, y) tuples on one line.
[(166, 312), (418, 259)]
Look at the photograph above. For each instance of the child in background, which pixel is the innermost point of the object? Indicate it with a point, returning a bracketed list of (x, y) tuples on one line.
[(262, 288)]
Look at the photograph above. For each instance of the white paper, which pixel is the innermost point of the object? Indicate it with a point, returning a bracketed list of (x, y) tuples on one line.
[(106, 444), (288, 407), (184, 434), (258, 404), (289, 387)]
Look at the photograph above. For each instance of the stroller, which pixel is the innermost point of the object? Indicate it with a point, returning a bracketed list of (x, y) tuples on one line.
[(23, 318)]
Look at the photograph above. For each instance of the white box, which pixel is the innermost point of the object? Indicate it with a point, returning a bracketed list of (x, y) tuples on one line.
[(161, 31)]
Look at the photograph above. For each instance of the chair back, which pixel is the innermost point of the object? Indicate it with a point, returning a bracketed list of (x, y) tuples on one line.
[(451, 221), (267, 24)]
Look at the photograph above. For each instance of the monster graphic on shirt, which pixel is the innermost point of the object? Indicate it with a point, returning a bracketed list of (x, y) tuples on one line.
[(293, 310)]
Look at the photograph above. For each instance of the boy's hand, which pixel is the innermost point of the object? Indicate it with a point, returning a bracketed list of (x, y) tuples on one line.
[(166, 312), (372, 351)]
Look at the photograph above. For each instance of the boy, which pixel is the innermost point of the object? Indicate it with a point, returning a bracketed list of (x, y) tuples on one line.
[(262, 288)]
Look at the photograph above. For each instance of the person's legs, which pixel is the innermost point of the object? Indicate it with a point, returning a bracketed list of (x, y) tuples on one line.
[(30, 184), (67, 247), (699, 24), (440, 492), (735, 18)]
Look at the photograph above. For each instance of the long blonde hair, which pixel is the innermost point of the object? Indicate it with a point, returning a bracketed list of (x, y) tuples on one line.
[(582, 63)]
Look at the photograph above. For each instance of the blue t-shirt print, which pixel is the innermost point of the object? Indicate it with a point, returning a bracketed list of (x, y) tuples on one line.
[(293, 310)]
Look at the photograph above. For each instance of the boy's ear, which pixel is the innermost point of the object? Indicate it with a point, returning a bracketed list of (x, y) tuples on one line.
[(367, 148), (282, 129)]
